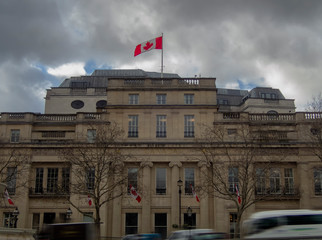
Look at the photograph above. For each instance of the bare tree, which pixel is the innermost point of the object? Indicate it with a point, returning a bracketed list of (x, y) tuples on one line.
[(236, 171), (14, 162), (97, 168), (315, 104)]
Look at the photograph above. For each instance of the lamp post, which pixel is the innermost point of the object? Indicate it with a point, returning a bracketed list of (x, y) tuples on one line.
[(179, 184), (15, 214)]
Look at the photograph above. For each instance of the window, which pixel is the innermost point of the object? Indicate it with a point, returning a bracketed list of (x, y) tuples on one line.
[(132, 178), (260, 181), (160, 224), (11, 179), (161, 98), (275, 180), (161, 126), (39, 180), (188, 98), (189, 180), (90, 178), (133, 98), (318, 181), (8, 220), (52, 180), (289, 181), (65, 179), (133, 126), (161, 175), (91, 135), (49, 217), (232, 179), (233, 224), (15, 135), (189, 126), (88, 217), (131, 223), (77, 104), (35, 220), (189, 221), (231, 131)]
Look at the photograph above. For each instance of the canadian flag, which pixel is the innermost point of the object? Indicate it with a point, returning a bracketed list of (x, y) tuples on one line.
[(155, 43), (237, 193), (194, 193), (6, 194), (89, 199), (134, 194)]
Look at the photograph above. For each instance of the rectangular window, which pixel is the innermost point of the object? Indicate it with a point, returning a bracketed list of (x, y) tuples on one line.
[(132, 178), (260, 181), (133, 98), (189, 221), (189, 180), (289, 181), (232, 179), (161, 126), (91, 135), (133, 126), (8, 220), (275, 180), (188, 98), (231, 131), (39, 180), (161, 175), (15, 135), (11, 179), (65, 179), (88, 217), (161, 98), (90, 178), (160, 224), (233, 224), (318, 181), (52, 180), (189, 126), (131, 223)]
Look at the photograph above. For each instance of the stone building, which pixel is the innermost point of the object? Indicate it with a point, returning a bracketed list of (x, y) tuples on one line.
[(162, 120)]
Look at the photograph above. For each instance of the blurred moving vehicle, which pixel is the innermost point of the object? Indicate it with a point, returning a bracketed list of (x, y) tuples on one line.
[(197, 234), (283, 224), (143, 236), (68, 231)]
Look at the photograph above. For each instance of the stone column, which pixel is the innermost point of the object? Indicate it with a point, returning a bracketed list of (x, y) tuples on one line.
[(146, 198), (204, 202), (175, 175), (304, 182)]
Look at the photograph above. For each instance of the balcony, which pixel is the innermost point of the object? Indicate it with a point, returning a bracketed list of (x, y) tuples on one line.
[(281, 194), (48, 192)]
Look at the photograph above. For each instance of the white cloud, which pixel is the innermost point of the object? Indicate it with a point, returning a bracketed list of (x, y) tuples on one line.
[(68, 70)]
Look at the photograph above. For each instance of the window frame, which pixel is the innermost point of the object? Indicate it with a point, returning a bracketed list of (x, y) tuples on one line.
[(189, 126), (188, 98), (161, 126), (189, 179), (161, 98), (14, 135), (233, 180), (160, 181), (133, 98), (133, 127)]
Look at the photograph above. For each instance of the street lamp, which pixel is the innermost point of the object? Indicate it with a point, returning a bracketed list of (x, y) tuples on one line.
[(179, 184), (68, 213), (15, 214)]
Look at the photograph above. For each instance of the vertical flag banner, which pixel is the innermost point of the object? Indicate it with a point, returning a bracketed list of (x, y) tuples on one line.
[(194, 193), (6, 194), (238, 196), (155, 43), (134, 194), (89, 199)]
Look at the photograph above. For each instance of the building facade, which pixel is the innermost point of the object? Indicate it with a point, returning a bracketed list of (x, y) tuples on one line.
[(163, 120)]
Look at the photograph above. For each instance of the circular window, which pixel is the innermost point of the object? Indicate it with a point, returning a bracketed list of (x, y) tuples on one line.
[(101, 103), (77, 104)]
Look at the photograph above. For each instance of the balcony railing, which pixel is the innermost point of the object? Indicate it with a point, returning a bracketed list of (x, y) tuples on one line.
[(271, 117), (278, 194), (48, 192)]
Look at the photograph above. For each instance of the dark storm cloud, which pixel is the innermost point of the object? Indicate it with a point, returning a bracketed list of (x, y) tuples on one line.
[(242, 43)]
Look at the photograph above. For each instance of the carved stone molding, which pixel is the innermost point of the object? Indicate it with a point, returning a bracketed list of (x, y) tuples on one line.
[(146, 164), (175, 163)]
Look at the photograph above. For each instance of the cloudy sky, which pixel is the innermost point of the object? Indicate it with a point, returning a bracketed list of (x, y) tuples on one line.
[(244, 43)]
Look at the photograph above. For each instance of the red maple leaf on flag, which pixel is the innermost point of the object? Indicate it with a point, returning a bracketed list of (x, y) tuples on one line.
[(148, 45)]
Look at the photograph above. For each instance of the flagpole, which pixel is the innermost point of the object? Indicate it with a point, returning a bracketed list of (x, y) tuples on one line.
[(162, 57)]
